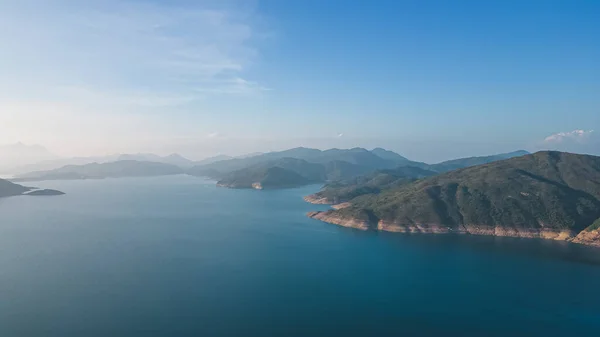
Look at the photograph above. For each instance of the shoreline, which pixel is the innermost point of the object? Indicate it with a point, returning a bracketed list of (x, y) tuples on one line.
[(584, 237), (315, 200)]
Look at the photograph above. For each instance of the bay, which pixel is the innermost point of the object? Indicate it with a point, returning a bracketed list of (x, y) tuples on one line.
[(177, 256)]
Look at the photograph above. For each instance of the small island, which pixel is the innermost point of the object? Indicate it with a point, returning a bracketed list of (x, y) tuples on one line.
[(44, 192)]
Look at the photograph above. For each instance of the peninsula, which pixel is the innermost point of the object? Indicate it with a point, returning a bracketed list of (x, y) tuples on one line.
[(550, 195)]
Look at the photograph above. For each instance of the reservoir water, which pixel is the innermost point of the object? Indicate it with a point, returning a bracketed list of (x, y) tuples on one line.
[(177, 256)]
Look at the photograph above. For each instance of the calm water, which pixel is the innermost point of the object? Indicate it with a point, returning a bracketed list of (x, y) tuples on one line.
[(177, 256)]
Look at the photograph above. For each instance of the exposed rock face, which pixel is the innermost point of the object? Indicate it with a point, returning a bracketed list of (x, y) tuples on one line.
[(317, 200), (390, 227), (591, 238), (520, 232), (342, 205), (334, 219)]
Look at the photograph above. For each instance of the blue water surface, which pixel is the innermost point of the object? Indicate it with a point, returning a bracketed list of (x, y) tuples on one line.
[(177, 256)]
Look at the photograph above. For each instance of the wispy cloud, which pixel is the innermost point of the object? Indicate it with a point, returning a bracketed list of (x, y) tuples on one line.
[(214, 135), (120, 63), (575, 135), (132, 48), (340, 135)]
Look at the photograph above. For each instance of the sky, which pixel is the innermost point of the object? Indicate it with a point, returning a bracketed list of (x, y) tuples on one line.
[(432, 80)]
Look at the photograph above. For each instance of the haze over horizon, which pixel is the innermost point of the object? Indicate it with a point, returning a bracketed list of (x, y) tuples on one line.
[(428, 79)]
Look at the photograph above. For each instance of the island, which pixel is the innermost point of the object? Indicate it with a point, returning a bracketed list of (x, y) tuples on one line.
[(44, 192)]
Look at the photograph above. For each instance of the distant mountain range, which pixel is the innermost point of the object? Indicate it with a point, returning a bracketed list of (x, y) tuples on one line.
[(117, 169), (46, 165), (335, 165), (314, 166), (45, 161), (547, 194), (173, 159)]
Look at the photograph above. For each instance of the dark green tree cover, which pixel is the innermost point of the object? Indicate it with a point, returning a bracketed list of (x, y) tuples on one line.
[(545, 189), (372, 183), (267, 178)]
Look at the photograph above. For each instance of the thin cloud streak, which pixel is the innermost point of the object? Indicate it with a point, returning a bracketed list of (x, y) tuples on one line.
[(575, 135)]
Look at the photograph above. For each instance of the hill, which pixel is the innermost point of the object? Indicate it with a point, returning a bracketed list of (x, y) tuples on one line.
[(547, 194), (211, 160), (372, 183), (294, 172), (8, 189), (117, 169), (263, 178), (173, 159), (397, 159), (456, 164), (338, 163)]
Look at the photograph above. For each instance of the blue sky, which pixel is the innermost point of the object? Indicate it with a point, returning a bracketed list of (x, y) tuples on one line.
[(430, 79)]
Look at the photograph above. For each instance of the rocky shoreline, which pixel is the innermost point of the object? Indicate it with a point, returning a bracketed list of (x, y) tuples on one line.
[(317, 200), (591, 238)]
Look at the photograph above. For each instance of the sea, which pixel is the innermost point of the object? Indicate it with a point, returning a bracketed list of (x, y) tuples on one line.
[(178, 256)]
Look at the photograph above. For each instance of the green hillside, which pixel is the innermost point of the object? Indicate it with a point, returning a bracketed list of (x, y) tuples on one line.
[(371, 183), (545, 190), (263, 178)]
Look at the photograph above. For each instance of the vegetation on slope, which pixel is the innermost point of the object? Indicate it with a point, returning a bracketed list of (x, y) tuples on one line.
[(283, 172), (263, 178), (594, 226), (544, 190), (338, 163), (371, 183)]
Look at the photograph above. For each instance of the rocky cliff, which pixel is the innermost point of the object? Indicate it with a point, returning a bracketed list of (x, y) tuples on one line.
[(589, 238)]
